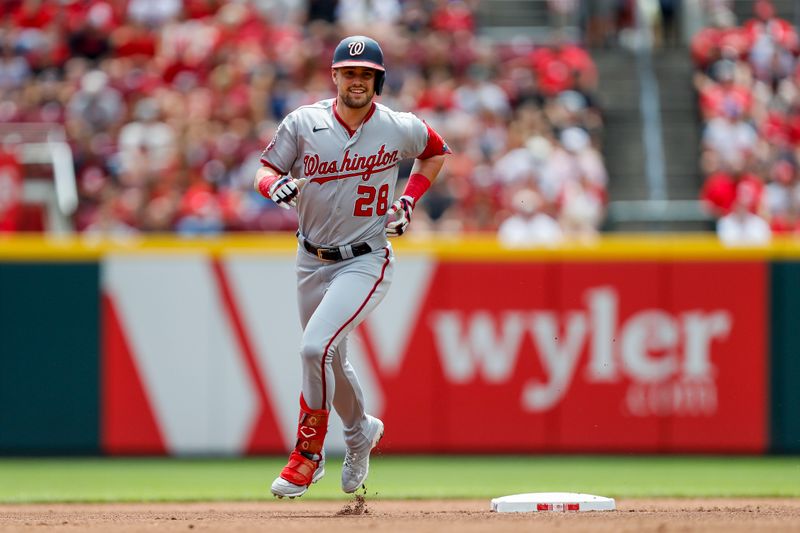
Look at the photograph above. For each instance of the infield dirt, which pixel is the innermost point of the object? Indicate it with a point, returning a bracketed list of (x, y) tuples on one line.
[(462, 516)]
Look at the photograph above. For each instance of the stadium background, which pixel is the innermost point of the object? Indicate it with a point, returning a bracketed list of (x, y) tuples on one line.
[(135, 313)]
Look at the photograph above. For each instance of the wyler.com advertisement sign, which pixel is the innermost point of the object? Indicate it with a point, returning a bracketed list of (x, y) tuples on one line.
[(201, 355), (585, 357)]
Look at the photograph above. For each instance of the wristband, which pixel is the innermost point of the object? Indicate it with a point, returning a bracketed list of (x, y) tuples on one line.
[(265, 183), (416, 186)]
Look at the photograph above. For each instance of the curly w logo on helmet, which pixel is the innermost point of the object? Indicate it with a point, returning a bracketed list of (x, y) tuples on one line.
[(356, 48)]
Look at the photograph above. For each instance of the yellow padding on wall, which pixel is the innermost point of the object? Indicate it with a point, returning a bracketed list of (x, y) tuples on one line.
[(473, 247)]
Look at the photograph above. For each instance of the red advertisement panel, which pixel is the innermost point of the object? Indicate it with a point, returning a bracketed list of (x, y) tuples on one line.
[(593, 400), (725, 357), (458, 388), (582, 357), (10, 191)]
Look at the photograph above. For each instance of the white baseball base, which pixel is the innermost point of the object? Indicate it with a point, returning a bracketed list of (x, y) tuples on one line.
[(562, 502)]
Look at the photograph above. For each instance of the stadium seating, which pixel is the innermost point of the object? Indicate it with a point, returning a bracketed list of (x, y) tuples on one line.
[(167, 106), (747, 83)]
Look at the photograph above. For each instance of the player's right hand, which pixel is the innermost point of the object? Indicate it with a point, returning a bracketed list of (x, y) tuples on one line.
[(284, 191)]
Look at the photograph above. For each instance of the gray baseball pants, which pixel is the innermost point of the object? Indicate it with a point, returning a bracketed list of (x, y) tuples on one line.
[(334, 298)]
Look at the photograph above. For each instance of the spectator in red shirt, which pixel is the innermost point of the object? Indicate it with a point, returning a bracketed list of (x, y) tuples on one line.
[(452, 16), (197, 9), (134, 40), (34, 14), (721, 93), (720, 188), (705, 47), (559, 65), (766, 24)]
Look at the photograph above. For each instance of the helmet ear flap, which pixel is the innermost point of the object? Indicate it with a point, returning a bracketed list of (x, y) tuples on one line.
[(380, 77)]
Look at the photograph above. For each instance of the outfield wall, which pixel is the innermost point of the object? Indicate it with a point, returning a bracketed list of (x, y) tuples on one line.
[(645, 344)]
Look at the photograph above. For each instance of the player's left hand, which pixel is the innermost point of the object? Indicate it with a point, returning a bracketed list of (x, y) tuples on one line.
[(284, 191), (399, 216)]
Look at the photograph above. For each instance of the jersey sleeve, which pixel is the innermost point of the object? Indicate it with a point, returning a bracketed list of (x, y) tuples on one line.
[(435, 144), (281, 152), (424, 142)]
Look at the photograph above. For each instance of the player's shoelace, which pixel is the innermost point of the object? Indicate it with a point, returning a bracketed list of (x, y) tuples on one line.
[(351, 461)]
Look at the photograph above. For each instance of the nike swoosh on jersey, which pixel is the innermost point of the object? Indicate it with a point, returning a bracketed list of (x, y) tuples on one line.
[(315, 129)]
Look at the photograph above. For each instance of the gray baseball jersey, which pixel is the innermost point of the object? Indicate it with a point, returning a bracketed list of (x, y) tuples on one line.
[(351, 175), (351, 180)]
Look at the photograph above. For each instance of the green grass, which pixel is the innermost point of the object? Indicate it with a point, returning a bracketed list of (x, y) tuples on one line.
[(148, 479)]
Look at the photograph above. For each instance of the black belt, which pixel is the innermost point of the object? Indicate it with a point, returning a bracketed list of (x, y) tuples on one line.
[(334, 254)]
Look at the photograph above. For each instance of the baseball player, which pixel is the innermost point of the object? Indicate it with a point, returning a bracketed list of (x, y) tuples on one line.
[(336, 161)]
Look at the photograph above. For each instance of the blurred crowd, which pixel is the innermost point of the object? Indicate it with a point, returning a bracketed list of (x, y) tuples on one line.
[(167, 105), (748, 81)]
